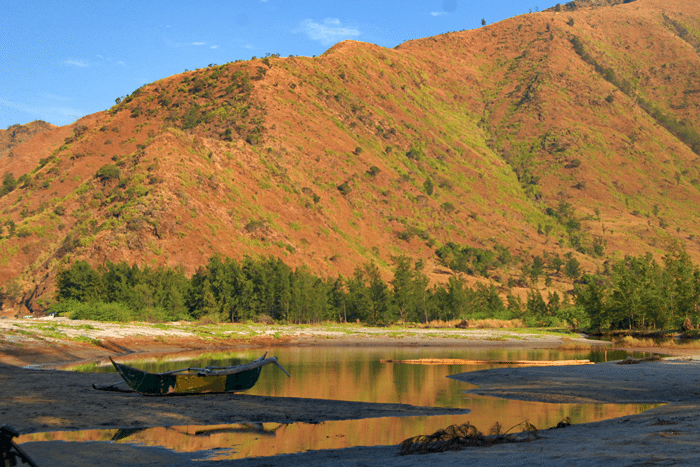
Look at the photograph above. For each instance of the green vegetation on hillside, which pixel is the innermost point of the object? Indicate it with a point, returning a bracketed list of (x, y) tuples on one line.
[(681, 129)]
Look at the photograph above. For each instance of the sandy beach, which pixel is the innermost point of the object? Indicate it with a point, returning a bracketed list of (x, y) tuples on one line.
[(39, 400)]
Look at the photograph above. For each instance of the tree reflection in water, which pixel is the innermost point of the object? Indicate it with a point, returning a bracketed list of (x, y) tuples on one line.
[(355, 374)]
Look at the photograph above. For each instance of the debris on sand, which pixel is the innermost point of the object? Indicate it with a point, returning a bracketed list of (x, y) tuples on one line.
[(457, 437), (634, 361)]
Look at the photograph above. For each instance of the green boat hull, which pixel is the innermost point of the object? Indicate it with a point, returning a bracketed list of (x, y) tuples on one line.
[(162, 384)]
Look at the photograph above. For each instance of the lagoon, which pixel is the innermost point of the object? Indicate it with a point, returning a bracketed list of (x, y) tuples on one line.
[(354, 374)]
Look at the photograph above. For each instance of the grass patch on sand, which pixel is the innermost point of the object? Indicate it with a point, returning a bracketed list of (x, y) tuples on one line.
[(568, 344), (85, 368), (503, 330), (636, 342), (87, 339), (490, 324), (44, 331), (554, 332)]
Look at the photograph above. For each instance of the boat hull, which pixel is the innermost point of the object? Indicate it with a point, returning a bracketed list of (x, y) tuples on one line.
[(162, 384)]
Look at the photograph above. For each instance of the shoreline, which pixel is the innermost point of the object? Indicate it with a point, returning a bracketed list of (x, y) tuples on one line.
[(46, 400), (50, 342)]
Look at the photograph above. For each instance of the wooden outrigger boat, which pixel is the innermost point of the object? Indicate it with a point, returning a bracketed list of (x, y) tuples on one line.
[(191, 380)]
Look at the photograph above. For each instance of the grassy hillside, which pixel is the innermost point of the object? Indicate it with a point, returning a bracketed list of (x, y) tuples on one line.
[(545, 137)]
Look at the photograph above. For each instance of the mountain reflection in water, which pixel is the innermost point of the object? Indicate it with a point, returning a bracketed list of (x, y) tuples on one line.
[(355, 374)]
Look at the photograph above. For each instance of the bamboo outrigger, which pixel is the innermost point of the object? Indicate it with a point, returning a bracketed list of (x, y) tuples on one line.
[(191, 380)]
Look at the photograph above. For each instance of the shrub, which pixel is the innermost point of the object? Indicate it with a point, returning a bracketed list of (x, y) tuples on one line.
[(111, 312), (254, 226), (448, 207), (428, 186), (25, 181), (373, 171), (253, 139), (108, 172), (79, 130), (227, 135), (8, 184), (191, 117), (344, 188), (414, 153), (572, 268)]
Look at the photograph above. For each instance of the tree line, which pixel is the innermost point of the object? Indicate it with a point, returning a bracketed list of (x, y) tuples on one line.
[(267, 290), (634, 293), (639, 293)]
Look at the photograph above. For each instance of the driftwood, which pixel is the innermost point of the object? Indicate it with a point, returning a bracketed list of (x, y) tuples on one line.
[(633, 361), (457, 361), (10, 453), (458, 437)]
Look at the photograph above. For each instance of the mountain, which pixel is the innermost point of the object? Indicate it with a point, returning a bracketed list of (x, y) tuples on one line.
[(15, 135), (567, 133)]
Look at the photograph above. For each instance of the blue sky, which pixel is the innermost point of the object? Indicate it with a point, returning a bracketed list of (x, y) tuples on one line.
[(63, 60)]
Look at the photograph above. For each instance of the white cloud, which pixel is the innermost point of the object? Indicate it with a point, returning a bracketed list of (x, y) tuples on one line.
[(103, 61), (99, 61), (197, 44), (78, 63), (58, 98), (328, 32), (241, 44), (438, 13)]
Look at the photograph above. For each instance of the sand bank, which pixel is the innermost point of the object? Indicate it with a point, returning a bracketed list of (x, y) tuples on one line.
[(40, 400)]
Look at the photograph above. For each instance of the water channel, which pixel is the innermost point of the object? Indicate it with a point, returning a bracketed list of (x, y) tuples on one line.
[(354, 374)]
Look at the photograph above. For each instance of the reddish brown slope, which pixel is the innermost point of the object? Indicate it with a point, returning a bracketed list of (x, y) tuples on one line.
[(502, 136)]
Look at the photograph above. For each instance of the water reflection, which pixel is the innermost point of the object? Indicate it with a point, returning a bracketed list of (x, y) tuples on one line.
[(356, 374), (239, 441)]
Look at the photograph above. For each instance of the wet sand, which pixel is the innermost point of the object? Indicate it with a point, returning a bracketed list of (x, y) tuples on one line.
[(40, 400)]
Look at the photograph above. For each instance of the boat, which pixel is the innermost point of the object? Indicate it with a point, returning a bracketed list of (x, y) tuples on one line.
[(206, 380)]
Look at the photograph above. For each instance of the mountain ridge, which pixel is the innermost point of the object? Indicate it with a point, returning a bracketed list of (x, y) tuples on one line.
[(506, 136)]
